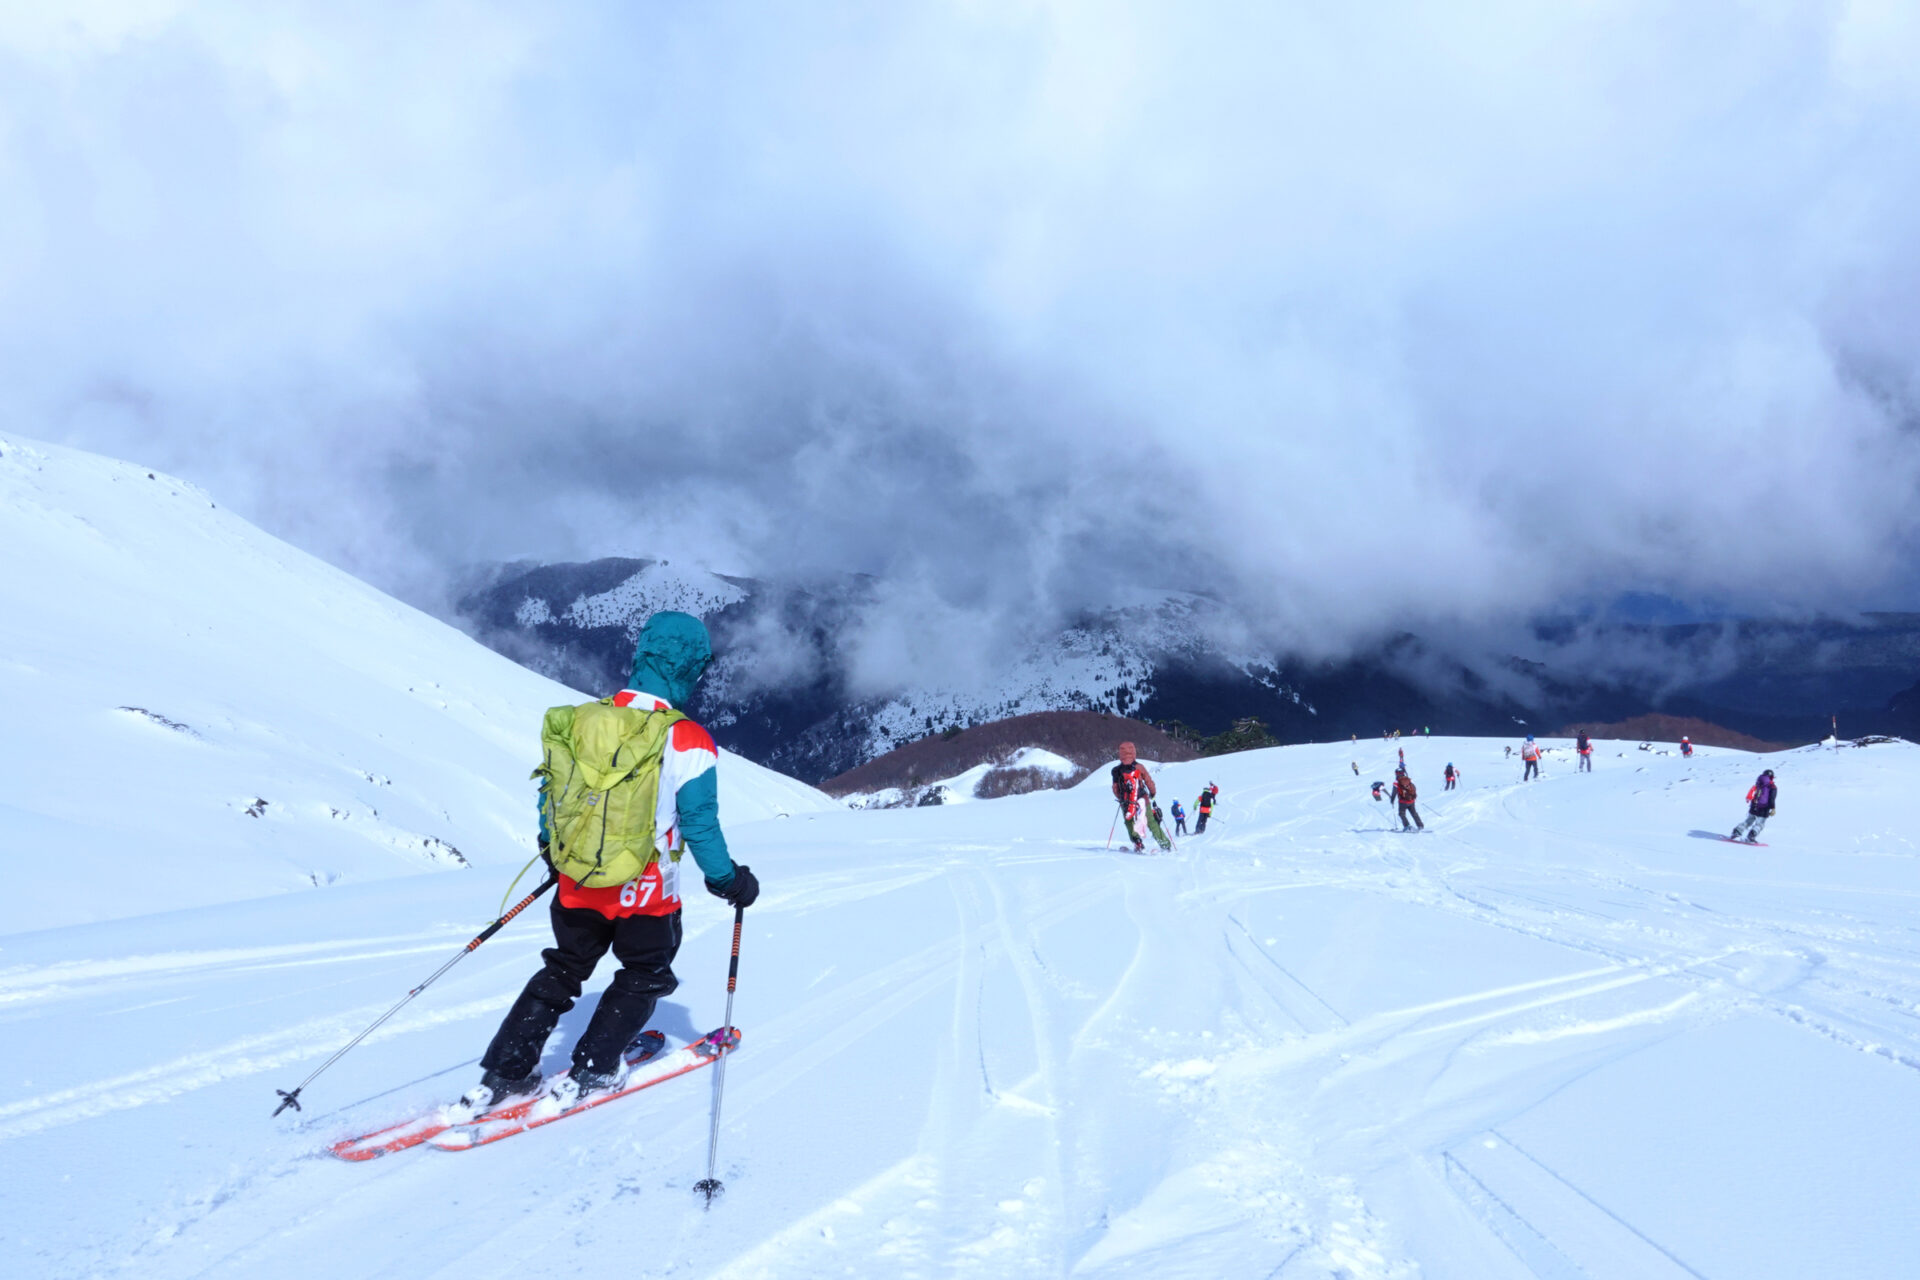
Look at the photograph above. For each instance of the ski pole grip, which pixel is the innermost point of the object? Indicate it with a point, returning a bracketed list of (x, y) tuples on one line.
[(733, 965), (518, 907)]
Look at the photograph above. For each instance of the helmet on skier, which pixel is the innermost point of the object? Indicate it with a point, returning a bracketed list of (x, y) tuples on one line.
[(1529, 737), (1400, 768)]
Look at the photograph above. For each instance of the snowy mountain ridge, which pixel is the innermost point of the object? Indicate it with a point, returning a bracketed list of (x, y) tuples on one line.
[(1108, 663), (781, 691), (655, 588), (573, 621)]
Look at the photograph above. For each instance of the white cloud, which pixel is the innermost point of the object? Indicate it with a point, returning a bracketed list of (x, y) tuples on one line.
[(1367, 315)]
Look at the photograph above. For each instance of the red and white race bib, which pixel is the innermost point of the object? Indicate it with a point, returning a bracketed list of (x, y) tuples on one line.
[(654, 892)]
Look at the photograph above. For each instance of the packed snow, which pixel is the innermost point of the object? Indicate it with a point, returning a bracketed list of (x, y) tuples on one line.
[(1569, 1030)]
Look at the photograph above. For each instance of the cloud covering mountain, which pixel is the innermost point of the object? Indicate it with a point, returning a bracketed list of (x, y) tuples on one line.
[(1364, 318)]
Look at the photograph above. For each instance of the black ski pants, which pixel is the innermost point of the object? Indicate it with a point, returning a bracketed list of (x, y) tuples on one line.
[(1531, 771), (1202, 824), (645, 947), (1408, 811)]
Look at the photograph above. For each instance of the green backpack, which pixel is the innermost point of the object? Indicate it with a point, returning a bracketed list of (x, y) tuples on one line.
[(600, 788)]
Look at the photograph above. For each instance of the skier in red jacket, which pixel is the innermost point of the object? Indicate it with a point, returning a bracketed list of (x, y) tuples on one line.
[(1404, 794)]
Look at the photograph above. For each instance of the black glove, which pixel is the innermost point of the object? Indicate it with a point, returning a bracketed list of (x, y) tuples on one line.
[(741, 891)]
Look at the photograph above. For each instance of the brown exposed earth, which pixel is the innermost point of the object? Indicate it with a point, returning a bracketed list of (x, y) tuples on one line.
[(1085, 737), (1658, 728)]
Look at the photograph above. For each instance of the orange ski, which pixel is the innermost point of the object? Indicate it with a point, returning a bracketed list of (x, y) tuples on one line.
[(419, 1129), (479, 1132)]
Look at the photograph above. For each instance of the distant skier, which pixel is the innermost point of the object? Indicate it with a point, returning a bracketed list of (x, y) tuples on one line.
[(1403, 757), (1356, 767), (1380, 791), (1585, 748), (1686, 747), (1404, 794), (1134, 788), (1509, 750), (1452, 775), (1205, 806), (1761, 798), (1530, 752), (1179, 819), (619, 887)]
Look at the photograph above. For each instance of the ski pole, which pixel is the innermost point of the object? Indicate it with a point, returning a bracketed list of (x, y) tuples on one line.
[(710, 1186), (1111, 826), (293, 1099)]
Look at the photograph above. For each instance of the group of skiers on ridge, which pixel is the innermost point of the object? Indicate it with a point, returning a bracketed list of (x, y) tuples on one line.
[(1761, 797), (1136, 793), (1134, 790)]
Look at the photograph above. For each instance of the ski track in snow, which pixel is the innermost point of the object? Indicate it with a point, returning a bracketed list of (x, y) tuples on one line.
[(978, 1045)]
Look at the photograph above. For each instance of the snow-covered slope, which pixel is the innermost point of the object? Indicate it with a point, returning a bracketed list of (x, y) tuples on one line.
[(196, 712), (1568, 1032)]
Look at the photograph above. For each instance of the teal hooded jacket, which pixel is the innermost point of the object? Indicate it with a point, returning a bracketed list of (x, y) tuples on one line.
[(673, 652)]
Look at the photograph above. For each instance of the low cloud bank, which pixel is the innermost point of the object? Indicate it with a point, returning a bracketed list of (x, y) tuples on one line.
[(1365, 320)]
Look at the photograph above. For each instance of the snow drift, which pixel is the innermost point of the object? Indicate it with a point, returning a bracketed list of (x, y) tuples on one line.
[(198, 712)]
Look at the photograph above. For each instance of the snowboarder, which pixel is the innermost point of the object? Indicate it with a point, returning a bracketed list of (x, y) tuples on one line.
[(1404, 794), (1133, 787), (1205, 806), (621, 890), (1686, 747), (1530, 752), (1179, 819), (1452, 775), (1585, 748), (1761, 798)]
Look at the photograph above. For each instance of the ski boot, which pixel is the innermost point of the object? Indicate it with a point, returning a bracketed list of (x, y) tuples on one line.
[(577, 1084), (493, 1087)]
